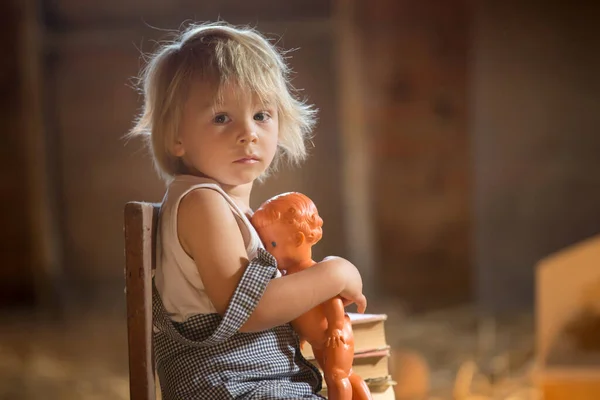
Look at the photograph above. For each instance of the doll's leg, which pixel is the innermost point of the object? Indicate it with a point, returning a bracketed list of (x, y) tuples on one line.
[(336, 369), (319, 357), (360, 390), (338, 388)]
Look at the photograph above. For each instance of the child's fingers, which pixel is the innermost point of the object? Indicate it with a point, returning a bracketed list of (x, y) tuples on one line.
[(361, 304)]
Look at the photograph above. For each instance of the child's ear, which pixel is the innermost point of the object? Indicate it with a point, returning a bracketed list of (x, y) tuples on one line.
[(299, 239), (177, 149)]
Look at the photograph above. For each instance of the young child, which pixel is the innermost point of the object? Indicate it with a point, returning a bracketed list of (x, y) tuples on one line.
[(219, 112)]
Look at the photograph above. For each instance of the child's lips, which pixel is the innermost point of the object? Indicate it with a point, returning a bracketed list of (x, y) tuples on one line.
[(247, 160)]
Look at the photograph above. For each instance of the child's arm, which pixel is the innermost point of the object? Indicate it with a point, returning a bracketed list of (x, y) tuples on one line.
[(290, 296), (210, 234)]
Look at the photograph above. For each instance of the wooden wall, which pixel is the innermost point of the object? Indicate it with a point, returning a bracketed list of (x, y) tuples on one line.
[(535, 104), (456, 146), (416, 64)]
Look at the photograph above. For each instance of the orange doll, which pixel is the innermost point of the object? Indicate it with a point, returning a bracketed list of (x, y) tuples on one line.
[(289, 225)]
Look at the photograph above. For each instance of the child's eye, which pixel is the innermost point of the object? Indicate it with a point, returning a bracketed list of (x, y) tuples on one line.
[(221, 119), (273, 244), (262, 116)]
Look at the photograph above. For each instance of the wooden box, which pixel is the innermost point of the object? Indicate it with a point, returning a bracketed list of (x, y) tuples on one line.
[(567, 283)]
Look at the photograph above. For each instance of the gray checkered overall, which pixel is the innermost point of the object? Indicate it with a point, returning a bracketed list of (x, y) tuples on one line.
[(207, 358)]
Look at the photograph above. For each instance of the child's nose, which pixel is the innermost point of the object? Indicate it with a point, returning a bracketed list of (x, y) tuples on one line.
[(248, 136)]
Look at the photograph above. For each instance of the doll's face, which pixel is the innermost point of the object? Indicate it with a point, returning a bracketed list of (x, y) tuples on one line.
[(282, 240)]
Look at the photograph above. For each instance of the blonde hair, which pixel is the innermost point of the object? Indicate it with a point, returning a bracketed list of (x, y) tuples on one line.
[(219, 54), (291, 208)]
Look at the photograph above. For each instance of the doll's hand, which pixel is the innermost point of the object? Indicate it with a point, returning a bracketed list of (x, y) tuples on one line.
[(302, 343), (335, 338)]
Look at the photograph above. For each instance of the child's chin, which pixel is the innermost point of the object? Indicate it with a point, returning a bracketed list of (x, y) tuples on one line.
[(239, 180)]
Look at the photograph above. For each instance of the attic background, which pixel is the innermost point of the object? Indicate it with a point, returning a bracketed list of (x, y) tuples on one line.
[(457, 145)]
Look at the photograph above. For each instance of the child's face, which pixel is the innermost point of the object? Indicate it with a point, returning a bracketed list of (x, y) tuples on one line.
[(233, 143)]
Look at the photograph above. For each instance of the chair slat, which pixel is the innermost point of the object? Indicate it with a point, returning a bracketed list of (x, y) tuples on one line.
[(140, 232)]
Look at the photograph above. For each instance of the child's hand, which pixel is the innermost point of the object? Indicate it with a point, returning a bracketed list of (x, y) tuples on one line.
[(361, 303), (352, 288), (348, 302)]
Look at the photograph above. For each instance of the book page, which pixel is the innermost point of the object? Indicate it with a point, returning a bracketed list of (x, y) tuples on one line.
[(364, 318)]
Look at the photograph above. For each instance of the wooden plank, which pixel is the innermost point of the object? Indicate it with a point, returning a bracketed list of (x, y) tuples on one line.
[(68, 13), (140, 231), (561, 281), (44, 229), (17, 278), (356, 151)]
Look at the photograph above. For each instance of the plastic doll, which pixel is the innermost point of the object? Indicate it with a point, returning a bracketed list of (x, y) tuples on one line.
[(289, 225), (218, 110)]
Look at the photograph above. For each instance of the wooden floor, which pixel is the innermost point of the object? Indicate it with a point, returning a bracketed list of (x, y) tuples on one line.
[(71, 359), (84, 355), (501, 350)]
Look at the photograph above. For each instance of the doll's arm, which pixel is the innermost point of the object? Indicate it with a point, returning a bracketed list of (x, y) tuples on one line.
[(334, 313)]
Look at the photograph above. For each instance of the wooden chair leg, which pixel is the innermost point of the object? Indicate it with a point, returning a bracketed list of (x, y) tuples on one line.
[(139, 256)]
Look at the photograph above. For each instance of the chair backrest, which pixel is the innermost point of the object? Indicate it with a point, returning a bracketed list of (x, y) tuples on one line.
[(140, 234)]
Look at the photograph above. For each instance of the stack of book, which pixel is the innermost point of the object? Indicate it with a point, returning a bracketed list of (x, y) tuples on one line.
[(371, 355)]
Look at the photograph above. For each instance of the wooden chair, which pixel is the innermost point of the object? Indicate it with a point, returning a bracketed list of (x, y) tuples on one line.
[(140, 234)]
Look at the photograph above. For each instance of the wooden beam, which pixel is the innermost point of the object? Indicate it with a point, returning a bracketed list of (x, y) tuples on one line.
[(356, 165), (143, 36), (42, 194)]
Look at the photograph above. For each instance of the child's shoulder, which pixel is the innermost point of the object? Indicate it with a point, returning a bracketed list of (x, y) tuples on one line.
[(182, 185), (206, 223), (203, 203), (182, 193)]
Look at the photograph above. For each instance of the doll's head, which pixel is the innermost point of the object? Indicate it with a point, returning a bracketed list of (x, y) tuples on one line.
[(215, 98), (286, 222)]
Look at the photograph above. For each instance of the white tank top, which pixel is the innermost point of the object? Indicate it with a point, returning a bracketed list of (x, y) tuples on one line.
[(177, 278)]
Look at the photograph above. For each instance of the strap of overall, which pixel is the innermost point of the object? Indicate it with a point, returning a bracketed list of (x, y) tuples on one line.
[(252, 285)]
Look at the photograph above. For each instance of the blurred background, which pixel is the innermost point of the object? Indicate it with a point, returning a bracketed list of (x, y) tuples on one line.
[(458, 144)]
